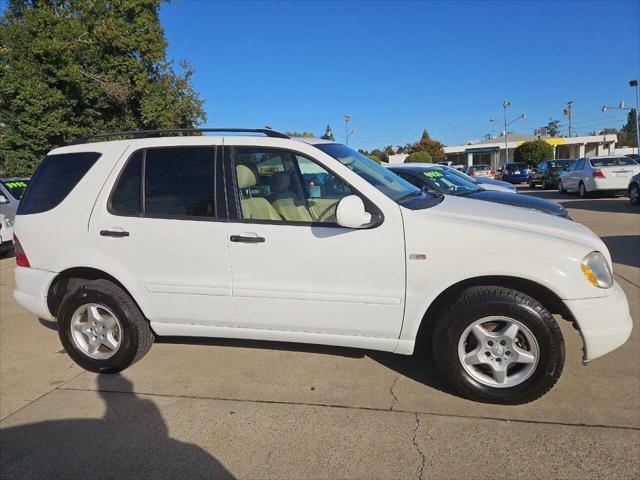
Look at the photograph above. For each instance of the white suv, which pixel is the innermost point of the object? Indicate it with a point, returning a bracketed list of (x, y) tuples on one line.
[(303, 241)]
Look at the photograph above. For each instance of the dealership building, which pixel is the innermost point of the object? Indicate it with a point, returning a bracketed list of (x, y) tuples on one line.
[(493, 152)]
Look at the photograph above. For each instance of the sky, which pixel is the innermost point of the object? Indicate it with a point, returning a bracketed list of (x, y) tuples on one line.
[(397, 68)]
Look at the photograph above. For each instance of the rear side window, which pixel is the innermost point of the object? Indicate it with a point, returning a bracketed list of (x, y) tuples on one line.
[(172, 182), (54, 179)]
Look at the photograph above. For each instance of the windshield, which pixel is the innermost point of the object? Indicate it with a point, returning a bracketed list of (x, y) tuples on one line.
[(445, 180), (15, 187), (383, 179), (612, 162)]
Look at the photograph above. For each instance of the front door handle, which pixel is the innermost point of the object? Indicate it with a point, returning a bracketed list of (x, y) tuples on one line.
[(242, 239), (114, 233)]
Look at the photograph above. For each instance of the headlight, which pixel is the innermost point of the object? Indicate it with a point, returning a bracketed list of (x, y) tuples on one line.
[(596, 270)]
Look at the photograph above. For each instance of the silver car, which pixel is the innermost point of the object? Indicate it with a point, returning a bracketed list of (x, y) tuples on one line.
[(598, 174)]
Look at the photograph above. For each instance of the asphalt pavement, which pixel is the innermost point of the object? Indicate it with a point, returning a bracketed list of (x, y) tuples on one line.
[(208, 408)]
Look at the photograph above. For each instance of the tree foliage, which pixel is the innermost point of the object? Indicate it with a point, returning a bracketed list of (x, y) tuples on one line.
[(300, 134), (434, 148), (76, 67), (534, 152), (419, 157), (328, 134), (627, 135)]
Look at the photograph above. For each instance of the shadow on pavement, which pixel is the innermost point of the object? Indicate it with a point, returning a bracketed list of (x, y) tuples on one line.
[(130, 441), (624, 249), (418, 367)]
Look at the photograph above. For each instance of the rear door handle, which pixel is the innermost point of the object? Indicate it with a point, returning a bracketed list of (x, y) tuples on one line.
[(242, 239), (114, 233)]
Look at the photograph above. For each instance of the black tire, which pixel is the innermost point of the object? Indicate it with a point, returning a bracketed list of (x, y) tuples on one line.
[(532, 183), (544, 184), (477, 302), (137, 336), (634, 194), (582, 190), (561, 188)]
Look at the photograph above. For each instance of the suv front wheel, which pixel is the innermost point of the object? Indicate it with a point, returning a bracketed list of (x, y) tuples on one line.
[(498, 345), (102, 329)]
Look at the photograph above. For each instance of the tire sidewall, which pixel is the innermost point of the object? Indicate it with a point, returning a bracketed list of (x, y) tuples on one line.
[(636, 189), (550, 345), (129, 338), (582, 190)]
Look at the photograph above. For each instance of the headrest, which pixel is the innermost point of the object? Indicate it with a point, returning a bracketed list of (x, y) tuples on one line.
[(280, 182), (247, 175)]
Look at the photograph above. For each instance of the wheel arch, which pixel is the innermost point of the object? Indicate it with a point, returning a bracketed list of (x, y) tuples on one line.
[(547, 297), (71, 278)]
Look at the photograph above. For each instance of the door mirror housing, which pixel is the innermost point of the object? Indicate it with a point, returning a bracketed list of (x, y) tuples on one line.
[(351, 213), (3, 199)]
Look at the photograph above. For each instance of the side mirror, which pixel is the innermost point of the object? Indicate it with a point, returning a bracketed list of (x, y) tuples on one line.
[(351, 213), (3, 199)]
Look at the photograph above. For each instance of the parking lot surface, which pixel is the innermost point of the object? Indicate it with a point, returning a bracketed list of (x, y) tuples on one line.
[(206, 408)]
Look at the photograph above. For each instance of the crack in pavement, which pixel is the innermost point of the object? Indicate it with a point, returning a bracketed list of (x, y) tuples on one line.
[(395, 398), (348, 407), (415, 444)]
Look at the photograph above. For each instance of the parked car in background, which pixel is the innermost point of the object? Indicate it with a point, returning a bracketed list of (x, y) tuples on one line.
[(601, 174), (634, 189), (11, 191), (123, 240), (6, 236), (479, 171), (486, 182), (548, 172), (447, 182), (514, 172)]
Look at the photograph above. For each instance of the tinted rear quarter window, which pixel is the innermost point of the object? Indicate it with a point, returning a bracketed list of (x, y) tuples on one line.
[(54, 179)]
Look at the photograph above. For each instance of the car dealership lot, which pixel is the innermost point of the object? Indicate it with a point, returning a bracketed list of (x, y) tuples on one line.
[(238, 409)]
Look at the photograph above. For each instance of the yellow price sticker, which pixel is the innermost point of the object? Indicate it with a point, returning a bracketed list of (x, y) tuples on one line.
[(432, 174)]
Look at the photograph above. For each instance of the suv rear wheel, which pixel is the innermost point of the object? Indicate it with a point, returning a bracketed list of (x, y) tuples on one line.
[(102, 329), (498, 345)]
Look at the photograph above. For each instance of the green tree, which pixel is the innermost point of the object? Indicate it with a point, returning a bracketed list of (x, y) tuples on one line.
[(532, 153), (419, 157), (553, 128), (328, 134), (629, 129), (300, 134), (78, 67), (434, 148)]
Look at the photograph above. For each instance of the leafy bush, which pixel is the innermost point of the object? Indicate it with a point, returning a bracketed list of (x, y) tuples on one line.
[(534, 152), (419, 157)]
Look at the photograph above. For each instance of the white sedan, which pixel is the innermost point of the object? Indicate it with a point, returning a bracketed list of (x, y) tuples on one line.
[(598, 174)]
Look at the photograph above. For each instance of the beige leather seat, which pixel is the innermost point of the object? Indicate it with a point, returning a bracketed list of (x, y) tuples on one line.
[(256, 208), (287, 203)]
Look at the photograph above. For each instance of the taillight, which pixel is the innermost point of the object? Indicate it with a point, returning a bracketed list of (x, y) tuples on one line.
[(472, 173), (552, 170), (21, 257), (598, 174)]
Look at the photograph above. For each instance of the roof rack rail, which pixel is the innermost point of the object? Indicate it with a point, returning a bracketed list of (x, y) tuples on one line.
[(136, 134)]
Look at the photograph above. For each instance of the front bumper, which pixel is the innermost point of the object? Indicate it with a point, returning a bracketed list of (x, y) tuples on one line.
[(32, 288), (604, 322)]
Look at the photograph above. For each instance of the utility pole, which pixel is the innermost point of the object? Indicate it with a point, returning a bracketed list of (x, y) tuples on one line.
[(634, 83), (568, 111), (346, 119)]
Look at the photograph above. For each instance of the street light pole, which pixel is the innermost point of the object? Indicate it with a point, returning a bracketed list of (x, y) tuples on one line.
[(634, 83), (505, 105), (346, 119)]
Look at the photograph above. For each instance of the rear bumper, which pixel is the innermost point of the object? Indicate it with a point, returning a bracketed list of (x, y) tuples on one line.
[(516, 178), (32, 288), (604, 322), (608, 184)]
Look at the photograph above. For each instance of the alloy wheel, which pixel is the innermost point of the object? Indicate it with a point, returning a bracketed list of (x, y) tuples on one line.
[(498, 351), (96, 331)]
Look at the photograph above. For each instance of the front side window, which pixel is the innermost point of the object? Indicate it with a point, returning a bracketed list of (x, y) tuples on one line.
[(283, 186), (394, 187), (179, 182)]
